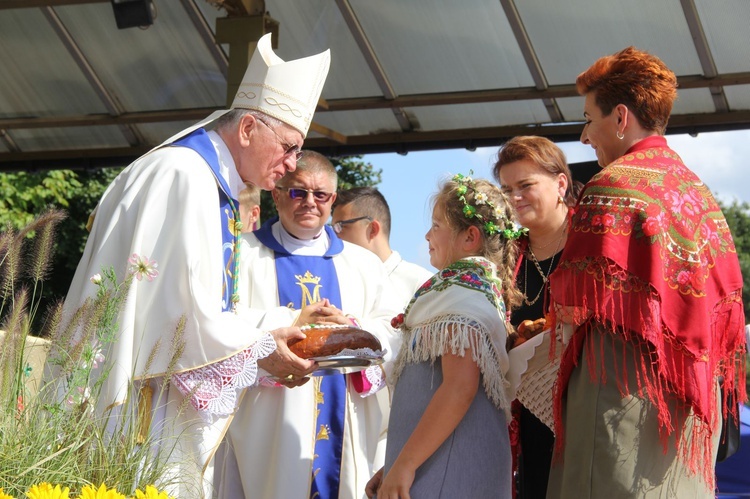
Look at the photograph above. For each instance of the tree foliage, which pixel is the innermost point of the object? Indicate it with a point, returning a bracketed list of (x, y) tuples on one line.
[(738, 218), (24, 195)]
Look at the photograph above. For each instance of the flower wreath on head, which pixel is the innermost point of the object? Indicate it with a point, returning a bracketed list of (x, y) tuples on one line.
[(499, 224)]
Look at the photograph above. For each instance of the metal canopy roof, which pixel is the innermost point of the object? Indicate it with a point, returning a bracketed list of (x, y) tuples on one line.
[(405, 75)]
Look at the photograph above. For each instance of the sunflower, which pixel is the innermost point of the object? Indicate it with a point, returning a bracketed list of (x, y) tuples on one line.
[(152, 493), (47, 491), (91, 492)]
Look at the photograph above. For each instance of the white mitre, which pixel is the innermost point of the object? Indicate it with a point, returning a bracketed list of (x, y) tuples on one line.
[(288, 91)]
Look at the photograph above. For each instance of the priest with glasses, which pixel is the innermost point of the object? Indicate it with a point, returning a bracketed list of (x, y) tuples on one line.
[(320, 435)]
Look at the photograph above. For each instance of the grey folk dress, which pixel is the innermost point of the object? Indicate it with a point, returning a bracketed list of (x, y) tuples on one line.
[(459, 310), (474, 462)]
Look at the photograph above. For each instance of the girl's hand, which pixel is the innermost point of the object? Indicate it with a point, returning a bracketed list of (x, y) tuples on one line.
[(396, 483), (374, 484)]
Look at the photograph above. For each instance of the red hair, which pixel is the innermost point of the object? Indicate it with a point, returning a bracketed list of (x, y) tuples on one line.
[(637, 79)]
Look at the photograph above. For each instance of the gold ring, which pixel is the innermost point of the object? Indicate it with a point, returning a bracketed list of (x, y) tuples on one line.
[(290, 377)]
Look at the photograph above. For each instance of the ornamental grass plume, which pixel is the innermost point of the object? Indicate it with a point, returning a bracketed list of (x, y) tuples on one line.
[(50, 432)]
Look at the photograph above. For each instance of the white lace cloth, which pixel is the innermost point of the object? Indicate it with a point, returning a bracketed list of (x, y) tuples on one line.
[(532, 375), (376, 377), (213, 389)]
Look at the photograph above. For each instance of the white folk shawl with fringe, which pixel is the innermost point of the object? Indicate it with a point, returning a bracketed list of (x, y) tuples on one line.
[(465, 296)]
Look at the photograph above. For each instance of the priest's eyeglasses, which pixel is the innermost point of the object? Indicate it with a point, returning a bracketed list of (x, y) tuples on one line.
[(339, 226), (289, 149), (299, 193)]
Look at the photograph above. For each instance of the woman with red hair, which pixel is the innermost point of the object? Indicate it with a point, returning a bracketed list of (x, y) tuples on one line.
[(648, 297)]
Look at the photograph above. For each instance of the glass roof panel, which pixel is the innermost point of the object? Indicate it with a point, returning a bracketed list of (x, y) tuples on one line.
[(357, 122), (479, 115), (164, 66), (312, 26), (156, 133), (604, 27), (693, 100), (76, 137), (39, 78), (726, 30), (571, 108), (738, 97), (430, 46)]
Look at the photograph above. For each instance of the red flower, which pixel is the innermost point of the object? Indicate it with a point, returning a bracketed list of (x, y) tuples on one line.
[(608, 220), (397, 321), (651, 227)]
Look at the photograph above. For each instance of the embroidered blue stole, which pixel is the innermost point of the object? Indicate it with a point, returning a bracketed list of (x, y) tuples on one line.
[(303, 280), (228, 209)]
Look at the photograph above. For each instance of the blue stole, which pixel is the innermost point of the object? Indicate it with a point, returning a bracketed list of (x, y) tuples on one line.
[(200, 143), (300, 280)]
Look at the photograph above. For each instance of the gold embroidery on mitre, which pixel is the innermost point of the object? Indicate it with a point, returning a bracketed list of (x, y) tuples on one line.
[(323, 432), (309, 296)]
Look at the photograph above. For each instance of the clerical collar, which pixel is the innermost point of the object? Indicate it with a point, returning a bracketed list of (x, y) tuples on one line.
[(307, 247), (227, 167)]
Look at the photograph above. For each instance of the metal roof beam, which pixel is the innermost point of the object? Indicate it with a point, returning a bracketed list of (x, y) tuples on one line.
[(25, 4), (194, 114), (378, 143), (704, 53), (509, 94), (529, 55), (207, 35), (132, 135), (8, 141), (372, 61)]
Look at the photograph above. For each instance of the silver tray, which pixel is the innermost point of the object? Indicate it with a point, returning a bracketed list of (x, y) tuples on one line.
[(344, 364)]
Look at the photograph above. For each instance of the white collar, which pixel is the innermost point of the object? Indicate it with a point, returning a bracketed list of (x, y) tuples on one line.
[(309, 247)]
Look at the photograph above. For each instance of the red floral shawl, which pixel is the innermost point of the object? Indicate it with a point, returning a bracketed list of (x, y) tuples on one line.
[(649, 255)]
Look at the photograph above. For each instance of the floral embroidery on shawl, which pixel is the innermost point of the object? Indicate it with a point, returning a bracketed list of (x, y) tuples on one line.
[(472, 273), (430, 328), (212, 389), (650, 256)]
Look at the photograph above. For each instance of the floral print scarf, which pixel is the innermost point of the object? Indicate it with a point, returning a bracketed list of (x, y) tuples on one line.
[(650, 256)]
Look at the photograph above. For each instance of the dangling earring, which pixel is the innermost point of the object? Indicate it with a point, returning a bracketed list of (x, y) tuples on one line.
[(560, 199), (620, 135)]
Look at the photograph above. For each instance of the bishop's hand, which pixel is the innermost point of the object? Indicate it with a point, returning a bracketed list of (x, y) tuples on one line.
[(282, 363)]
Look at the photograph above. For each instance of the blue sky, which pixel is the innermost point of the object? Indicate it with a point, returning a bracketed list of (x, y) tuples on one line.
[(720, 160)]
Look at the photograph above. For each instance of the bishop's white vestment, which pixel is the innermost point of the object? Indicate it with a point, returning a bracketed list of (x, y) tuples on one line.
[(166, 206)]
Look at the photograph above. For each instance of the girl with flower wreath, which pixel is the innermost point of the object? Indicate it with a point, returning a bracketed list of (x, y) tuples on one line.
[(448, 433)]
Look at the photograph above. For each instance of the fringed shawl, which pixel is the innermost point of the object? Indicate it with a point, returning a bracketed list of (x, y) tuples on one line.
[(650, 256), (466, 297)]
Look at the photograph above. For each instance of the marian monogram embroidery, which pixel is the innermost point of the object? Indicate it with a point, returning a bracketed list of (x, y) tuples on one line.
[(310, 288)]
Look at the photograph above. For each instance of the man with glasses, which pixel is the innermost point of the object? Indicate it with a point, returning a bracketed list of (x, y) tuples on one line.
[(176, 207), (320, 439), (361, 216)]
